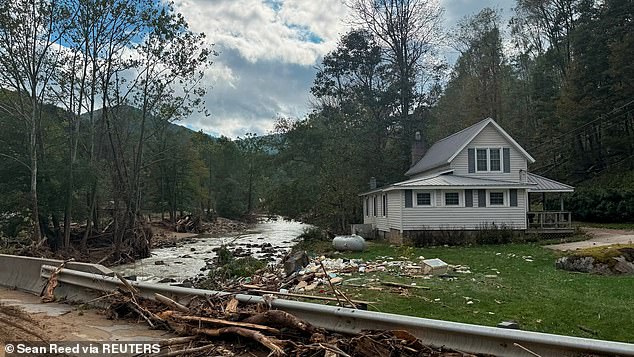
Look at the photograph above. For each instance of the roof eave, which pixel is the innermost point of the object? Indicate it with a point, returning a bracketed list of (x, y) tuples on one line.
[(455, 187), (553, 191)]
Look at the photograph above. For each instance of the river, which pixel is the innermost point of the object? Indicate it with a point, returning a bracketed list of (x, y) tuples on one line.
[(186, 260)]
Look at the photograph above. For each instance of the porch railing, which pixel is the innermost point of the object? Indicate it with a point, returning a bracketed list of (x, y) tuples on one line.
[(549, 220)]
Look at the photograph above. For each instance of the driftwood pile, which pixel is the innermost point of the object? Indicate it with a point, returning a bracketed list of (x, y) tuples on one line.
[(221, 325), (189, 224)]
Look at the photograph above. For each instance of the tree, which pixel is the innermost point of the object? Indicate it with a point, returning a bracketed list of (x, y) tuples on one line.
[(408, 31), (477, 85), (29, 31)]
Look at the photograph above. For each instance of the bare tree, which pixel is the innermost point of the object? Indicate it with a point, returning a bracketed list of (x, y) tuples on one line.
[(29, 54), (409, 30)]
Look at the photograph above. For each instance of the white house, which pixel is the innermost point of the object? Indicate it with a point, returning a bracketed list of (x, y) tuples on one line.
[(472, 179)]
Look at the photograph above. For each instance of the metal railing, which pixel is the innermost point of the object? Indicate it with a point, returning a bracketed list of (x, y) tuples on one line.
[(460, 336), (549, 220)]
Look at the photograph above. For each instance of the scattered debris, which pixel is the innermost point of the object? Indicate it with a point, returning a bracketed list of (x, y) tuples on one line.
[(399, 285), (434, 266), (514, 325), (206, 322)]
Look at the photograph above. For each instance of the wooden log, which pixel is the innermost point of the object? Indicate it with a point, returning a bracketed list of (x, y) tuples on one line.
[(282, 318), (171, 303), (399, 285), (127, 284), (177, 340), (212, 320), (254, 335), (313, 297)]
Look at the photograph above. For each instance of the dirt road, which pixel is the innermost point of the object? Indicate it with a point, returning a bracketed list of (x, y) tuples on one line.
[(598, 237), (24, 318)]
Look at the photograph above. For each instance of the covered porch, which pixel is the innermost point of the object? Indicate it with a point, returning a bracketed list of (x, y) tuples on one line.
[(545, 206)]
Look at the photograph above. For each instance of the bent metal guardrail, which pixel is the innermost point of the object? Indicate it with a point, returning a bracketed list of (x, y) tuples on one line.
[(79, 285)]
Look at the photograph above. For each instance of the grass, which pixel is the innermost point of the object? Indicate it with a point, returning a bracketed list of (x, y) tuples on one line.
[(532, 293)]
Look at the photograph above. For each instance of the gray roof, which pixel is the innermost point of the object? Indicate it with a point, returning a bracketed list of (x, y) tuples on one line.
[(449, 180), (543, 184), (443, 149)]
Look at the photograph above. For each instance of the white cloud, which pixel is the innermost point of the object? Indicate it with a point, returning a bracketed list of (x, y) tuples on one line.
[(268, 51), (260, 32)]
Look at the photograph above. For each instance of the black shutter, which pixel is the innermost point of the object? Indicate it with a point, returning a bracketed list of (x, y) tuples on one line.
[(507, 160), (375, 210), (468, 198), (471, 160), (482, 198), (408, 198), (513, 197)]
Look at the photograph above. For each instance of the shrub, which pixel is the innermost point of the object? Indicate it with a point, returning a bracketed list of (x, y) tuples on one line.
[(312, 234), (602, 205)]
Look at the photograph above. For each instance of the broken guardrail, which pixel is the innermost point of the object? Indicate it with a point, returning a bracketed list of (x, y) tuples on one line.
[(83, 286)]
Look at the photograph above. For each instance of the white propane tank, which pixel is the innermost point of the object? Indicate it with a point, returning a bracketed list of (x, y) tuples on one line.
[(353, 243)]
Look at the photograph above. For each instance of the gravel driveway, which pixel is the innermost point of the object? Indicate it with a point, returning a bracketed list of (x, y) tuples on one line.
[(599, 237)]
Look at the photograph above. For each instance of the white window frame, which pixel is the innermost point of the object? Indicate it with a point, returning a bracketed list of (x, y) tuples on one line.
[(501, 159), (505, 197), (488, 151), (460, 198), (432, 198)]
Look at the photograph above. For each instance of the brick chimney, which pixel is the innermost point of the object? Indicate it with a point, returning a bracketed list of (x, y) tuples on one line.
[(418, 147)]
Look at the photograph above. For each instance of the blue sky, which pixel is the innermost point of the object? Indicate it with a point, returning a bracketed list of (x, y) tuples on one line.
[(268, 53)]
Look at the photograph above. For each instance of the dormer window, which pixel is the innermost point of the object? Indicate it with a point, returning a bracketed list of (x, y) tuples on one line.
[(495, 159), (481, 162), (488, 159)]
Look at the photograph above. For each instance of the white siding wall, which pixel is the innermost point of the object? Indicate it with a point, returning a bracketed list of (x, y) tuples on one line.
[(440, 217), (489, 137), (368, 216), (395, 205), (394, 208)]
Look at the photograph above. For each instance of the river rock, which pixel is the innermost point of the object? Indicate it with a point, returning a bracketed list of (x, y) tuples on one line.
[(159, 262), (295, 262), (623, 266), (618, 265)]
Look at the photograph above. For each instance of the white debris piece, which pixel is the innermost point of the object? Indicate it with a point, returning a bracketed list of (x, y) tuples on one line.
[(434, 266)]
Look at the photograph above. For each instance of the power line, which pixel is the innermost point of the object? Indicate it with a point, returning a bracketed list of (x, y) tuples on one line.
[(541, 147)]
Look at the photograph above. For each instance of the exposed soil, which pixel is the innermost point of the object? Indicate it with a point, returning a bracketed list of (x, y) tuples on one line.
[(17, 325), (598, 237), (24, 318)]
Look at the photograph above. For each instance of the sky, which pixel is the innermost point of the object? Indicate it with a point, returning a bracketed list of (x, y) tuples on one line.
[(268, 54)]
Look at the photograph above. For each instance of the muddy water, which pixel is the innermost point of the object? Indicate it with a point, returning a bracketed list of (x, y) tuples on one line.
[(185, 261)]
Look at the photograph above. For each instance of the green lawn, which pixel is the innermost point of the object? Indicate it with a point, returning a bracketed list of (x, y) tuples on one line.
[(535, 294)]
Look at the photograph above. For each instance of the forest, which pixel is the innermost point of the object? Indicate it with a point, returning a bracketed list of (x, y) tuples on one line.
[(93, 90)]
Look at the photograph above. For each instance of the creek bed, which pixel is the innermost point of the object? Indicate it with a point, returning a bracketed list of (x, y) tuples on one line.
[(270, 239)]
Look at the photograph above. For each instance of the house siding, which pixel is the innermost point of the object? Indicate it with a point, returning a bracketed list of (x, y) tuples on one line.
[(395, 205), (441, 217), (489, 137)]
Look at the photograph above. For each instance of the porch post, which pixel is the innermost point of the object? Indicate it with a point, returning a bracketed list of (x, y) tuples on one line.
[(561, 202), (544, 201)]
